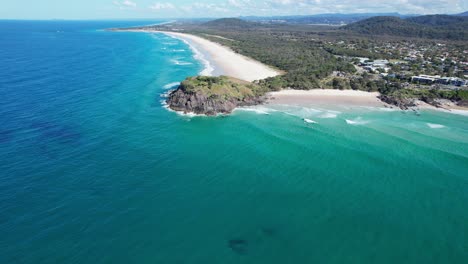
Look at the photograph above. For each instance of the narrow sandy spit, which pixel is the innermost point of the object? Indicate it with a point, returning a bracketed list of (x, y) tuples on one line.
[(227, 62)]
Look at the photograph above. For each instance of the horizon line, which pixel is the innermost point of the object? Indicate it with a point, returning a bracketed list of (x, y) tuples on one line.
[(217, 17)]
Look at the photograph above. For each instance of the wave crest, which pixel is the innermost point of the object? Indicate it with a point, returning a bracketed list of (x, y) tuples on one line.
[(356, 122), (171, 85), (435, 125)]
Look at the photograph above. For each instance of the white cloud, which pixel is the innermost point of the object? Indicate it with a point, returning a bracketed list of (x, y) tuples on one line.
[(377, 6), (235, 3), (283, 2), (126, 4), (224, 8), (129, 3), (161, 6), (198, 8)]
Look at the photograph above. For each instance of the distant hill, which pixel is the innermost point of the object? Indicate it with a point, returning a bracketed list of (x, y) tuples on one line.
[(463, 14), (229, 23), (438, 20), (431, 26), (330, 19)]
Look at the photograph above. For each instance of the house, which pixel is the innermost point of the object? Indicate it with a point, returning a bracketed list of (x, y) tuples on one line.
[(362, 60), (452, 81), (425, 79), (380, 63)]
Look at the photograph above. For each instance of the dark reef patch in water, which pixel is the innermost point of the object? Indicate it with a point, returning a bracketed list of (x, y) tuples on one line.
[(268, 231), (64, 135), (6, 136), (55, 132), (238, 245)]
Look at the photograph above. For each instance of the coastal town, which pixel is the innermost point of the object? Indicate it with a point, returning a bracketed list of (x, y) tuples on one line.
[(412, 65)]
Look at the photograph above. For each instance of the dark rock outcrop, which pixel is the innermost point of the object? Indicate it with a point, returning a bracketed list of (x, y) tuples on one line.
[(213, 95), (198, 103), (403, 103), (463, 103)]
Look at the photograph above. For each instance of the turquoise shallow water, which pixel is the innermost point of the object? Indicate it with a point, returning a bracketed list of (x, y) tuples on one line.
[(95, 170)]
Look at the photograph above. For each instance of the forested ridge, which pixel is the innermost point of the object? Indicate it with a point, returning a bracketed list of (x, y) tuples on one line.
[(430, 26)]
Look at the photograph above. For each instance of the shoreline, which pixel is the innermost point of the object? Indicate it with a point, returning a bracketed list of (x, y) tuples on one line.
[(348, 98), (325, 97), (224, 60), (209, 68), (221, 60)]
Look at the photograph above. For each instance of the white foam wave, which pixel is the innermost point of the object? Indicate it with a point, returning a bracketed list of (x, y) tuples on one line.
[(166, 105), (297, 111), (178, 50), (459, 112), (436, 126), (167, 93), (357, 121), (171, 85), (207, 67), (287, 113), (309, 121), (328, 115), (309, 111), (257, 109), (182, 63), (190, 115), (388, 109)]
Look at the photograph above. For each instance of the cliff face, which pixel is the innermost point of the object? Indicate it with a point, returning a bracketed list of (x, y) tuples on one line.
[(213, 95), (182, 101)]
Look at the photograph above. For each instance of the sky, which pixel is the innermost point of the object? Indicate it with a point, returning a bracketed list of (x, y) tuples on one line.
[(153, 9)]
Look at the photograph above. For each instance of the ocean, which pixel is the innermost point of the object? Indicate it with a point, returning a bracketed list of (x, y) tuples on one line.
[(94, 168)]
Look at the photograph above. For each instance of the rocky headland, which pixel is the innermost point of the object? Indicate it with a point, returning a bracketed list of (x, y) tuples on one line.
[(214, 95)]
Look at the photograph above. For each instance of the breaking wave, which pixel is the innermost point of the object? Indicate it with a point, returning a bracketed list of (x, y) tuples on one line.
[(357, 121), (435, 125), (171, 85)]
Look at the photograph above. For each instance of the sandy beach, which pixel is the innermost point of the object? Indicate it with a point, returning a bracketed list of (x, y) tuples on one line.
[(225, 61), (348, 98), (323, 97)]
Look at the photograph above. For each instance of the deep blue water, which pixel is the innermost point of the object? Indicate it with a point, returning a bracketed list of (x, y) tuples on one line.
[(93, 168)]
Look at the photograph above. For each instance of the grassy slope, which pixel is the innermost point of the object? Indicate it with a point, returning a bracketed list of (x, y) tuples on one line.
[(222, 87)]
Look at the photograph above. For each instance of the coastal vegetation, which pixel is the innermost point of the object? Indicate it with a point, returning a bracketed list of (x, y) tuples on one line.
[(304, 61)]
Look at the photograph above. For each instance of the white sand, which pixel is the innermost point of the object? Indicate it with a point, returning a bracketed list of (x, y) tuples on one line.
[(227, 62), (325, 97)]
